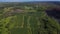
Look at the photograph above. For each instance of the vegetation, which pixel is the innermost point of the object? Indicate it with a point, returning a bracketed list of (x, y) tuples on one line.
[(26, 19)]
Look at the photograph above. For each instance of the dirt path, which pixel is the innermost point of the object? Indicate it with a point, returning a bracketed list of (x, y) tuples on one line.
[(22, 22), (28, 25)]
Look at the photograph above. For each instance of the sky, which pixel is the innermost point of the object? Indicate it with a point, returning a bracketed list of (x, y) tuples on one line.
[(24, 0)]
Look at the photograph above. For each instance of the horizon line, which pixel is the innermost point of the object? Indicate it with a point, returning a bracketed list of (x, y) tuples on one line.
[(30, 1)]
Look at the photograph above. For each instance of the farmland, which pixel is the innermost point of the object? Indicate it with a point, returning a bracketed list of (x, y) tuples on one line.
[(27, 19)]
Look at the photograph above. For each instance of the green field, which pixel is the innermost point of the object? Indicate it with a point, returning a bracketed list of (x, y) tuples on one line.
[(27, 21)]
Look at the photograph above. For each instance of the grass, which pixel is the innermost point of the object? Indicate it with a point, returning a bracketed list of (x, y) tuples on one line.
[(24, 23)]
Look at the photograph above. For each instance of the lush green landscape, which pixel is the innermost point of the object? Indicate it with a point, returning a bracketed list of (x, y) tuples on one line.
[(26, 18)]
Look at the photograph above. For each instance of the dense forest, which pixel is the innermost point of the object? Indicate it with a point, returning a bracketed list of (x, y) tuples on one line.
[(29, 18)]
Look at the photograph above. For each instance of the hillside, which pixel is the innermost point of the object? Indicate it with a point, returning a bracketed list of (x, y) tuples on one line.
[(29, 18)]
